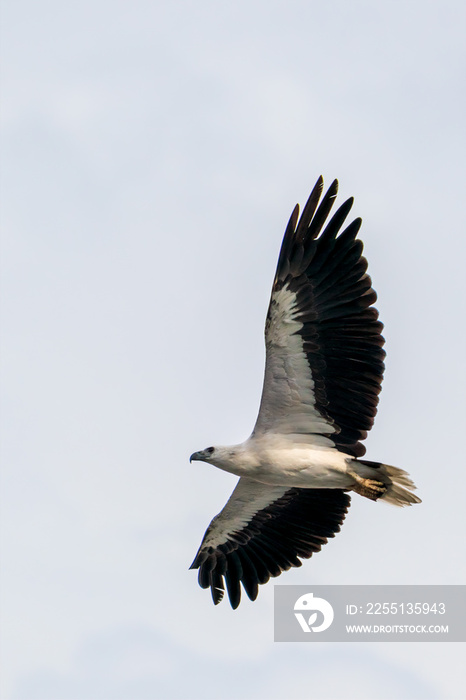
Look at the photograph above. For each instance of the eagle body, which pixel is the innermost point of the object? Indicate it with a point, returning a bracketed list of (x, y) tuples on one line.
[(323, 373), (279, 460)]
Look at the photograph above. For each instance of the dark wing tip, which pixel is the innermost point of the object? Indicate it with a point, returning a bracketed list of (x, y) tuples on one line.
[(287, 242), (216, 588), (309, 209), (333, 189)]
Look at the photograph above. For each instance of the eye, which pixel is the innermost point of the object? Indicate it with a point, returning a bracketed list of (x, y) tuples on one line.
[(209, 450)]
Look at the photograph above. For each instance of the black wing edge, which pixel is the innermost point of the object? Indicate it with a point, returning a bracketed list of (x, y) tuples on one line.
[(292, 527), (341, 331)]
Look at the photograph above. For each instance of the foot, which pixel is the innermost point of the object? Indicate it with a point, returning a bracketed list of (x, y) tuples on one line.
[(369, 488)]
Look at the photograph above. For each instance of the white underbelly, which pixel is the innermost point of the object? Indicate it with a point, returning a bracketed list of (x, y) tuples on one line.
[(303, 468)]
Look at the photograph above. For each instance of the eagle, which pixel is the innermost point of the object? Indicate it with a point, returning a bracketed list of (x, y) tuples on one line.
[(323, 373)]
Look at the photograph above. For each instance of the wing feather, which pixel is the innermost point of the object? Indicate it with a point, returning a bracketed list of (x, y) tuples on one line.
[(324, 356), (262, 531)]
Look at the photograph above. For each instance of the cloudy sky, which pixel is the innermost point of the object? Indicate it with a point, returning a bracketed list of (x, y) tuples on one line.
[(152, 154)]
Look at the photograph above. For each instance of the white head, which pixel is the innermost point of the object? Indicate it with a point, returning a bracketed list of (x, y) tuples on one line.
[(227, 458)]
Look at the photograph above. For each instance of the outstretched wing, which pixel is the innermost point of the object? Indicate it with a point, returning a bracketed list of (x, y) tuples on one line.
[(324, 356), (262, 531)]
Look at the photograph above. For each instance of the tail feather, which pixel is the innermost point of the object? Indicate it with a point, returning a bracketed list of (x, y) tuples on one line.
[(399, 484)]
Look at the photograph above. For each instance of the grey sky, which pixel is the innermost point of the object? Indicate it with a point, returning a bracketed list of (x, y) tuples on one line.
[(152, 154)]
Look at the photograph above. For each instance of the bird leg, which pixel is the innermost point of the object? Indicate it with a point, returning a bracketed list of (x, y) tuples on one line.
[(369, 488)]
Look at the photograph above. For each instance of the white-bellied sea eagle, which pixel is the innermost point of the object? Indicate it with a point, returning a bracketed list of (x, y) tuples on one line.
[(323, 373)]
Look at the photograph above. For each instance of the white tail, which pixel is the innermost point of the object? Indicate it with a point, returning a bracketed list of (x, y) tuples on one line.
[(398, 482), (399, 487)]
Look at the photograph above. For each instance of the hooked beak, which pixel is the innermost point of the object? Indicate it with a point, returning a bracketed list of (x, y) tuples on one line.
[(196, 457)]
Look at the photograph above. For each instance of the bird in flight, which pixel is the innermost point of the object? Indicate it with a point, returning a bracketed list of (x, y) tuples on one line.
[(323, 372)]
